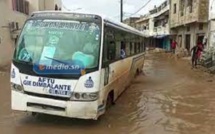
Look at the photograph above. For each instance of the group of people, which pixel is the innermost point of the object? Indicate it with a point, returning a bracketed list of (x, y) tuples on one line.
[(195, 52)]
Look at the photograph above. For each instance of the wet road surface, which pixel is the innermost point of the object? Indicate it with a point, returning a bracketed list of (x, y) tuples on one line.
[(169, 98)]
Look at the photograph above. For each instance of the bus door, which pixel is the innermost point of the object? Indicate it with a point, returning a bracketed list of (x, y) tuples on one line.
[(109, 56)]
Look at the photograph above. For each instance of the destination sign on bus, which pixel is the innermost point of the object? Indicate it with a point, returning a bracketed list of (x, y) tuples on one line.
[(65, 15)]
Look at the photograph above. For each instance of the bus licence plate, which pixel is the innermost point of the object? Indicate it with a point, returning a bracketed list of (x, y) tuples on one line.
[(60, 92)]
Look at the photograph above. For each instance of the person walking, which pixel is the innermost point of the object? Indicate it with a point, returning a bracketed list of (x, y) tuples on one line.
[(196, 51), (200, 49)]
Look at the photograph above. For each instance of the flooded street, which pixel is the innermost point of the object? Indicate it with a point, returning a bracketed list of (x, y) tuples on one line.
[(169, 98)]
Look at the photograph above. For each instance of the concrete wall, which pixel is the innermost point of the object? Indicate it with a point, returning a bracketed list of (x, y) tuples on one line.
[(34, 5), (148, 21), (131, 22), (174, 17), (7, 44), (181, 33), (212, 23), (212, 9), (199, 12), (40, 5), (203, 10), (50, 4), (211, 38), (183, 18)]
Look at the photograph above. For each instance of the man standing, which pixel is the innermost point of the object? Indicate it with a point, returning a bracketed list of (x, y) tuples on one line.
[(173, 46)]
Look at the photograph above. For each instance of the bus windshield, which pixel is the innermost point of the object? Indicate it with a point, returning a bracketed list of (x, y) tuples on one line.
[(47, 41)]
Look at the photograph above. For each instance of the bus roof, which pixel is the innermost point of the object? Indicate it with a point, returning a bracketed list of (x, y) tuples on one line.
[(107, 20)]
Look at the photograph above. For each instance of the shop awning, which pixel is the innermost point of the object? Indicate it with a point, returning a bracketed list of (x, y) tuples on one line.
[(161, 36)]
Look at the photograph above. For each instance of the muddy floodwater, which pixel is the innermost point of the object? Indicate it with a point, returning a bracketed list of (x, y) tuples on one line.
[(169, 98)]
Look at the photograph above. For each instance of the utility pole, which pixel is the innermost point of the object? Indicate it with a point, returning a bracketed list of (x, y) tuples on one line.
[(121, 10)]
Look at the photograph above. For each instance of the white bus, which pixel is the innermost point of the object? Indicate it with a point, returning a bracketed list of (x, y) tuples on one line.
[(73, 65)]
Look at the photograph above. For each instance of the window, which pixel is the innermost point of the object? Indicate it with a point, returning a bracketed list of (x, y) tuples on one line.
[(175, 8), (190, 5), (182, 13), (139, 47), (109, 53), (182, 7), (112, 50), (188, 28), (123, 49), (26, 6), (201, 26), (56, 7), (21, 6), (131, 48), (135, 47), (116, 40), (55, 40)]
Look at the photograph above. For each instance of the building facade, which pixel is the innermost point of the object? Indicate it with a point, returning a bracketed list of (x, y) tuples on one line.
[(13, 14), (189, 22), (131, 21), (155, 25)]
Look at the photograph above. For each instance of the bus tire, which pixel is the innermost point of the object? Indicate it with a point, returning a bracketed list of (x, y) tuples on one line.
[(137, 72), (36, 115), (110, 100)]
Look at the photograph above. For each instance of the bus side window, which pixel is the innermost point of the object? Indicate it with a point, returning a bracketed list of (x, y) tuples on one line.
[(105, 53), (135, 47), (127, 47), (111, 51), (131, 48), (144, 46), (123, 49), (139, 48)]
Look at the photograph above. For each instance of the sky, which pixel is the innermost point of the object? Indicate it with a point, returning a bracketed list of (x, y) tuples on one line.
[(110, 8)]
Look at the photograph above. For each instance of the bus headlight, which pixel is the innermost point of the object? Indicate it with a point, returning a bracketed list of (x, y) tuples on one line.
[(84, 96), (93, 96), (77, 96), (16, 87)]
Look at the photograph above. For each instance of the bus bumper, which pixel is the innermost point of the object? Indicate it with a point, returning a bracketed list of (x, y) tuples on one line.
[(72, 109)]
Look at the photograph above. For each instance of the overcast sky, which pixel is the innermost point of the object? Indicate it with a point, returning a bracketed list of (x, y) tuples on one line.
[(110, 8)]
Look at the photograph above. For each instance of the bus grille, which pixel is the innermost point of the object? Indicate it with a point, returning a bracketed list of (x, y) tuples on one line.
[(47, 107), (47, 96)]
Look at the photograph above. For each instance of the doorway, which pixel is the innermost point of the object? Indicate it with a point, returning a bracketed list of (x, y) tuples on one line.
[(200, 38), (187, 42), (180, 41)]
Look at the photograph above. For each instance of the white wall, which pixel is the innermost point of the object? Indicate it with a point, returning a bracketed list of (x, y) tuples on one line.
[(212, 9), (194, 30), (161, 30), (212, 23)]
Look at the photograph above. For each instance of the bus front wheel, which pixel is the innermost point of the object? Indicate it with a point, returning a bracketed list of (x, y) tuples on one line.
[(110, 100), (137, 73)]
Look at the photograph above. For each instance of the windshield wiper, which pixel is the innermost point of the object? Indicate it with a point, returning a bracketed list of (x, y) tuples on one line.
[(55, 60)]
